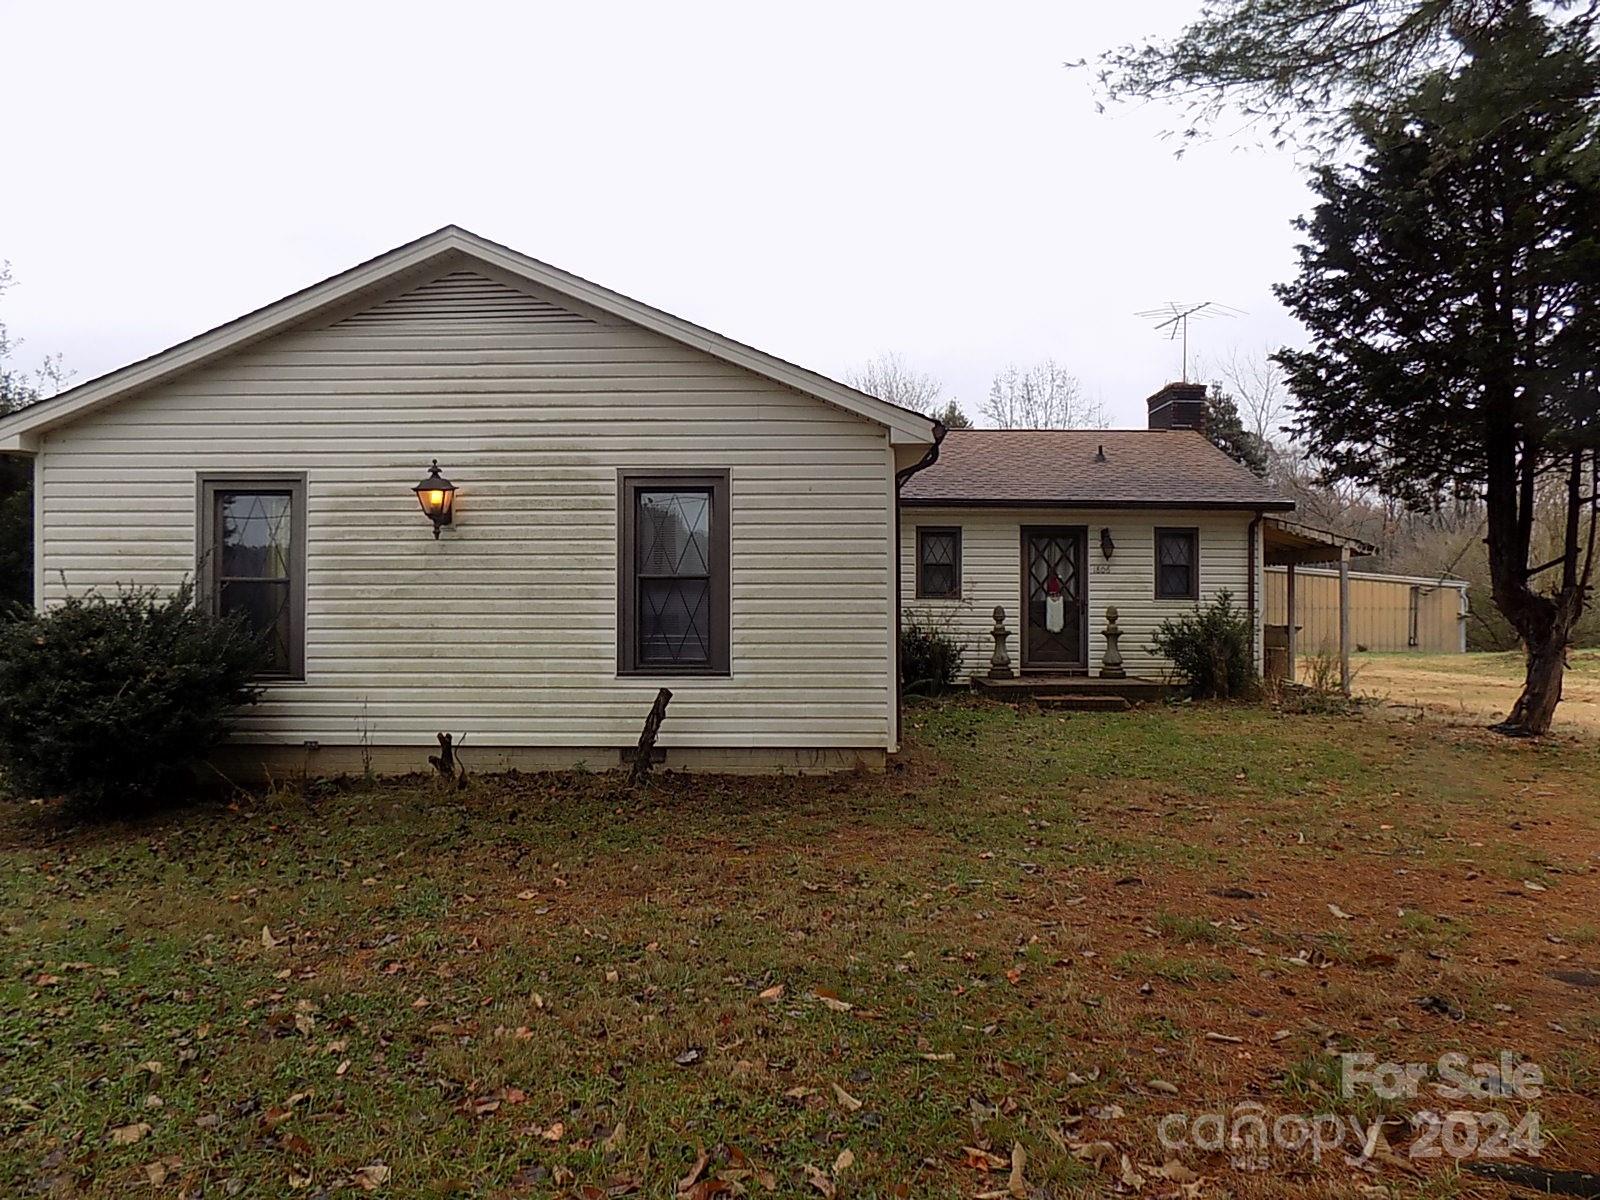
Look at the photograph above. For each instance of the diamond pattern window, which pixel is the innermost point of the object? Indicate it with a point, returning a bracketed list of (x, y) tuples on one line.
[(1177, 564), (252, 562), (673, 606), (938, 563)]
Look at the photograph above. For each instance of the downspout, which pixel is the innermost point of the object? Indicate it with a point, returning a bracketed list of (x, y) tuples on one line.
[(900, 477), (1256, 630), (928, 459)]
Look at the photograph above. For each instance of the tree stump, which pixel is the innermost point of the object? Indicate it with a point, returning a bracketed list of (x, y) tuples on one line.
[(644, 755), (447, 762)]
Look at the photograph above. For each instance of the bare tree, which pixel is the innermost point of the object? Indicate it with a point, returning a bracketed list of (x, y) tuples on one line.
[(1256, 384), (19, 388), (1046, 396), (889, 377)]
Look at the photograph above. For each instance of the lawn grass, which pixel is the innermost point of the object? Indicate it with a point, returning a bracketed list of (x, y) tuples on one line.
[(548, 985)]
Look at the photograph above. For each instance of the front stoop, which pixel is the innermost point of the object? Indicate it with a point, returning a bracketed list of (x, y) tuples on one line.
[(1087, 693)]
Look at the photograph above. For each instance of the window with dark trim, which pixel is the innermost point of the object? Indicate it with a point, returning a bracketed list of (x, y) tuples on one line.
[(938, 563), (672, 574), (252, 555), (1177, 564)]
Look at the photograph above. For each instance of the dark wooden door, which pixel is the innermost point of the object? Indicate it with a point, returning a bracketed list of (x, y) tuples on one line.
[(1053, 566)]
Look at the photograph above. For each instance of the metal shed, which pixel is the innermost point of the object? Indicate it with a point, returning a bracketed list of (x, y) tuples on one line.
[(1387, 612)]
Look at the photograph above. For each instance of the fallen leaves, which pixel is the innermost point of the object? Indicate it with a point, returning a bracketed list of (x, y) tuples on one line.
[(1129, 1177), (613, 1140), (1174, 1171), (127, 1135), (979, 1159), (1015, 1184), (371, 1178), (157, 1173), (846, 1101), (686, 1184)]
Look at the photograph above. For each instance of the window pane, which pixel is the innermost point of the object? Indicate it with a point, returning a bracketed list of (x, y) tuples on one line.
[(675, 620), (265, 607), (674, 533), (939, 553), (1175, 580), (1175, 553), (254, 532), (938, 579)]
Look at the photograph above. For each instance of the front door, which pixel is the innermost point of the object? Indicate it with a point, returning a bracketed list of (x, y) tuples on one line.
[(1054, 599)]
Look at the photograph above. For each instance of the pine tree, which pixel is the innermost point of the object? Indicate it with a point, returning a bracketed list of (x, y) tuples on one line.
[(1450, 279)]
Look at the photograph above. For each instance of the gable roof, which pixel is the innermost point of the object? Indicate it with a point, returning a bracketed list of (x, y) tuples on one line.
[(443, 247), (1143, 468)]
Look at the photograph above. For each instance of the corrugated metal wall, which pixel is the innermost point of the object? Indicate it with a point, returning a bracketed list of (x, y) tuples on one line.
[(1381, 610)]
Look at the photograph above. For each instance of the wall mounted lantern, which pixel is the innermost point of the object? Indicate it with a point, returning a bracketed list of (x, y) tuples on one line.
[(1107, 546), (437, 495)]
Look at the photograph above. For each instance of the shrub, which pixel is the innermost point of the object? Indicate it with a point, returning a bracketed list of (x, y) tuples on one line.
[(929, 658), (1211, 648), (110, 702)]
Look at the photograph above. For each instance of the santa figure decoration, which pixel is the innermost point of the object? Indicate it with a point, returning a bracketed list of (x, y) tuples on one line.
[(1055, 605)]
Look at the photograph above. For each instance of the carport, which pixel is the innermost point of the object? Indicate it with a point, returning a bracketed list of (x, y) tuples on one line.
[(1289, 544)]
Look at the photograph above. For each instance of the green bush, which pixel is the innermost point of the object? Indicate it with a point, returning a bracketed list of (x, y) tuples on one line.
[(1211, 648), (110, 702), (929, 658)]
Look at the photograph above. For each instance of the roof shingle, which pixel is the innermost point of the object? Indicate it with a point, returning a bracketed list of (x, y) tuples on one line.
[(1156, 468)]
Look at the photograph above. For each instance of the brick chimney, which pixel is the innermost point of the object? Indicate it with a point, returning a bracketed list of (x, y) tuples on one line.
[(1179, 406)]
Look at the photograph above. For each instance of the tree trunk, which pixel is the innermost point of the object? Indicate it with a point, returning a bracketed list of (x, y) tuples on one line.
[(1541, 688)]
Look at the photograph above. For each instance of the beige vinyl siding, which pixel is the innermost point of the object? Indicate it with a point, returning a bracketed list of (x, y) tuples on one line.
[(991, 549), (505, 629), (1380, 611)]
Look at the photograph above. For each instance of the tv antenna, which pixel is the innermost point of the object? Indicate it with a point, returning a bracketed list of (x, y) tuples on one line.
[(1174, 317)]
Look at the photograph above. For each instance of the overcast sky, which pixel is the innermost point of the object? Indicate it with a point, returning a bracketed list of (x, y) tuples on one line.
[(823, 181)]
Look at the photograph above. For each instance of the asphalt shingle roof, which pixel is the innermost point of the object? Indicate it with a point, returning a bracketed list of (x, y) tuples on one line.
[(1169, 468)]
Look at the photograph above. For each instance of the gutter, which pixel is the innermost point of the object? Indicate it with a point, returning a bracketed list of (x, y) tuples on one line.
[(1257, 506), (900, 477)]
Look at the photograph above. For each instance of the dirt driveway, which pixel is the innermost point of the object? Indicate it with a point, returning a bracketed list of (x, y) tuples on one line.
[(1474, 688)]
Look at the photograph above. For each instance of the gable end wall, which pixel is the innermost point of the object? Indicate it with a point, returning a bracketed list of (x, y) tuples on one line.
[(505, 629)]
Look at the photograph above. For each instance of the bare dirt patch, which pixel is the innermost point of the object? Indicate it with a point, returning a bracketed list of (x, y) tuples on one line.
[(1477, 688)]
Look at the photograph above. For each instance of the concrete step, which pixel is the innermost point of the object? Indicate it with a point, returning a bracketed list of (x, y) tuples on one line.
[(1100, 702), (1022, 687)]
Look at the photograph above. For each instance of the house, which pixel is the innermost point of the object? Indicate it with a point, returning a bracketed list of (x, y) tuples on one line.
[(613, 500), (1057, 527)]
